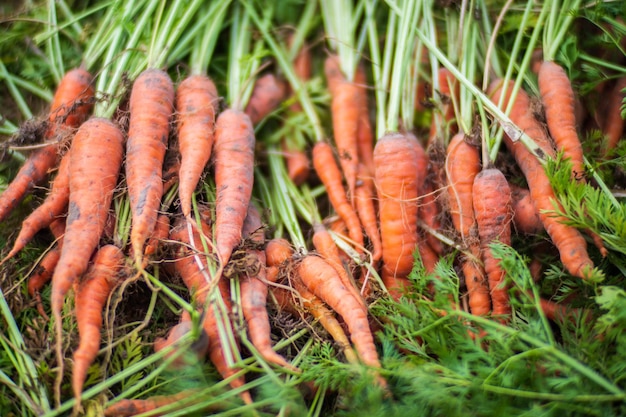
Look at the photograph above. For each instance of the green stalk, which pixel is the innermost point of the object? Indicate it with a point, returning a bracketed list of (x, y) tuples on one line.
[(53, 44), (380, 90), (15, 92), (339, 23), (202, 53)]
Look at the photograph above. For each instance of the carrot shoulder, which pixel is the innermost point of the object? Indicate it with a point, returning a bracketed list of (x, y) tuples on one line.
[(233, 156), (151, 106), (70, 106), (196, 104)]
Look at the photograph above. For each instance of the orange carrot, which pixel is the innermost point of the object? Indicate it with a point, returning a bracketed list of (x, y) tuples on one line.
[(366, 209), (327, 249), (196, 105), (611, 123), (52, 207), (345, 111), (448, 92), (268, 93), (95, 160), (492, 208), (198, 348), (44, 271), (429, 212), (70, 106), (559, 101), (365, 135), (525, 217), (233, 155), (187, 268), (332, 73), (151, 106), (159, 234), (254, 293), (127, 407), (91, 296), (327, 170), (571, 244), (399, 174)]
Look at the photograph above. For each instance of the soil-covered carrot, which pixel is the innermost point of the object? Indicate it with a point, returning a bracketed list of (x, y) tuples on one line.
[(52, 207), (95, 161), (233, 155), (196, 105), (559, 101), (328, 172), (526, 220), (399, 174), (571, 244), (70, 106), (91, 296), (254, 291), (151, 106), (364, 198), (269, 91), (492, 208)]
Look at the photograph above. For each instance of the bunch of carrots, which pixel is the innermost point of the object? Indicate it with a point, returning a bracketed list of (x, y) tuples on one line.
[(380, 194)]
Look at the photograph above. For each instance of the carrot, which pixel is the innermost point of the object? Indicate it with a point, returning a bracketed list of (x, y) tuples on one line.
[(196, 106), (612, 124), (42, 275), (332, 73), (159, 234), (70, 106), (151, 106), (448, 92), (364, 195), (327, 249), (429, 212), (277, 251), (187, 268), (268, 93), (328, 172), (399, 174), (365, 135), (95, 160), (198, 348), (254, 292), (127, 407), (525, 217), (345, 112), (234, 176), (91, 296), (492, 208), (52, 207), (323, 281), (559, 101), (570, 243)]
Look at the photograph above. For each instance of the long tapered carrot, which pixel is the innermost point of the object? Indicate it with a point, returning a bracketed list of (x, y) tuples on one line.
[(95, 161), (233, 156), (570, 243), (70, 106), (559, 101), (91, 296), (492, 207), (365, 202), (365, 134), (399, 174), (269, 91), (329, 173), (611, 122), (186, 266), (151, 107), (254, 292), (196, 106), (52, 207)]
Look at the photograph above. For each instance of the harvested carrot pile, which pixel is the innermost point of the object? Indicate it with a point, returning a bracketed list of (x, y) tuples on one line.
[(323, 208)]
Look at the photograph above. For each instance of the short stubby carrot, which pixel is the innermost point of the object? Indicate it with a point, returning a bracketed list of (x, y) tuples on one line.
[(329, 173), (196, 107), (526, 219), (557, 96), (233, 156), (568, 240), (492, 208), (277, 251), (105, 273), (70, 106), (269, 91), (399, 174), (151, 106), (53, 207)]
